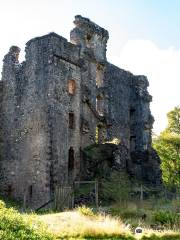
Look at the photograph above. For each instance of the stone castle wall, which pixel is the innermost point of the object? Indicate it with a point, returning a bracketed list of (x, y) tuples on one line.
[(62, 98)]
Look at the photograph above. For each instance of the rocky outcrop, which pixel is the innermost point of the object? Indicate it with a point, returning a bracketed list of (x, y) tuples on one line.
[(144, 167), (100, 160)]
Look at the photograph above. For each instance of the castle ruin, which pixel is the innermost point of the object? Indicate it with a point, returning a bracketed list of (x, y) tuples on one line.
[(64, 97)]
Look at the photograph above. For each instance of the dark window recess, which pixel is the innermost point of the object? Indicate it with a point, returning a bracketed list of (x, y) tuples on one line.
[(133, 138), (9, 190), (30, 191), (71, 120), (133, 142), (88, 37), (71, 159), (132, 111)]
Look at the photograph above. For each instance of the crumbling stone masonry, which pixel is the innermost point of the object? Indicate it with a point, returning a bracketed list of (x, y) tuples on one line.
[(64, 97)]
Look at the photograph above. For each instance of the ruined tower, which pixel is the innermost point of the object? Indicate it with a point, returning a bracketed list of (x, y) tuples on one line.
[(64, 97)]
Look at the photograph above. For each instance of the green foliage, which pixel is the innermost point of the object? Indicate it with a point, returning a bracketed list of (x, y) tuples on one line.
[(83, 189), (166, 217), (156, 214), (86, 211), (15, 226), (174, 120), (10, 202), (168, 147), (126, 213), (116, 188), (99, 159), (2, 204)]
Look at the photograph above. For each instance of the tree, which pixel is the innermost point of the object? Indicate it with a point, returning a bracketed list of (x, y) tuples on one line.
[(174, 120), (167, 144), (117, 187)]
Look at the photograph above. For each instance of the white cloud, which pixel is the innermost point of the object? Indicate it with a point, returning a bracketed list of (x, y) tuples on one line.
[(162, 67)]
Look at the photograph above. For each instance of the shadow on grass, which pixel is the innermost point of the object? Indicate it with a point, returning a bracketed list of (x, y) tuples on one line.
[(164, 237), (119, 237), (152, 237)]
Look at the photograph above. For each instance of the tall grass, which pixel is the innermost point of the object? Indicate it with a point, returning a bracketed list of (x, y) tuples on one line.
[(82, 223), (76, 224)]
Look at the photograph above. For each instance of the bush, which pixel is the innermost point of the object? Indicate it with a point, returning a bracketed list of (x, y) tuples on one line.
[(85, 211), (131, 214), (15, 226), (130, 211), (116, 188), (166, 217), (2, 204), (124, 213)]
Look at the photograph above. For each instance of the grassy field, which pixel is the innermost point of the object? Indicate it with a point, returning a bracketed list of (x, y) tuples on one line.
[(77, 225), (74, 224), (84, 223)]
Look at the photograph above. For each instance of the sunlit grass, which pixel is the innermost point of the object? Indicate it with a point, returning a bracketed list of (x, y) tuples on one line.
[(81, 223), (75, 224)]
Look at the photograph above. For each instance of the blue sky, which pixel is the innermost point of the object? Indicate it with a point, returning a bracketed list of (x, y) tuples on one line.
[(144, 37), (156, 20)]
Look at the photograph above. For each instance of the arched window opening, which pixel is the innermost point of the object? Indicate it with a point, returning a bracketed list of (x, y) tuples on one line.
[(146, 138), (71, 159), (99, 75), (9, 190), (145, 146), (88, 37), (30, 191), (100, 105), (132, 112), (71, 120), (101, 134), (88, 40), (71, 87), (133, 143)]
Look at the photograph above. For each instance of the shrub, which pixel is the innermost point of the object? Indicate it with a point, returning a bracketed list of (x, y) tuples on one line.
[(116, 188), (176, 205), (166, 217), (2, 204), (130, 214), (130, 211), (86, 211), (15, 226)]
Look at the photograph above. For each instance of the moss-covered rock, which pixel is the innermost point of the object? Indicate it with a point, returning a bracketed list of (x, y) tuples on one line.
[(99, 160)]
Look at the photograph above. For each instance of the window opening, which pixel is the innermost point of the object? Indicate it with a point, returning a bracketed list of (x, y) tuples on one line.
[(9, 190), (30, 191), (71, 120), (71, 87), (100, 105), (133, 142), (71, 159), (99, 76)]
